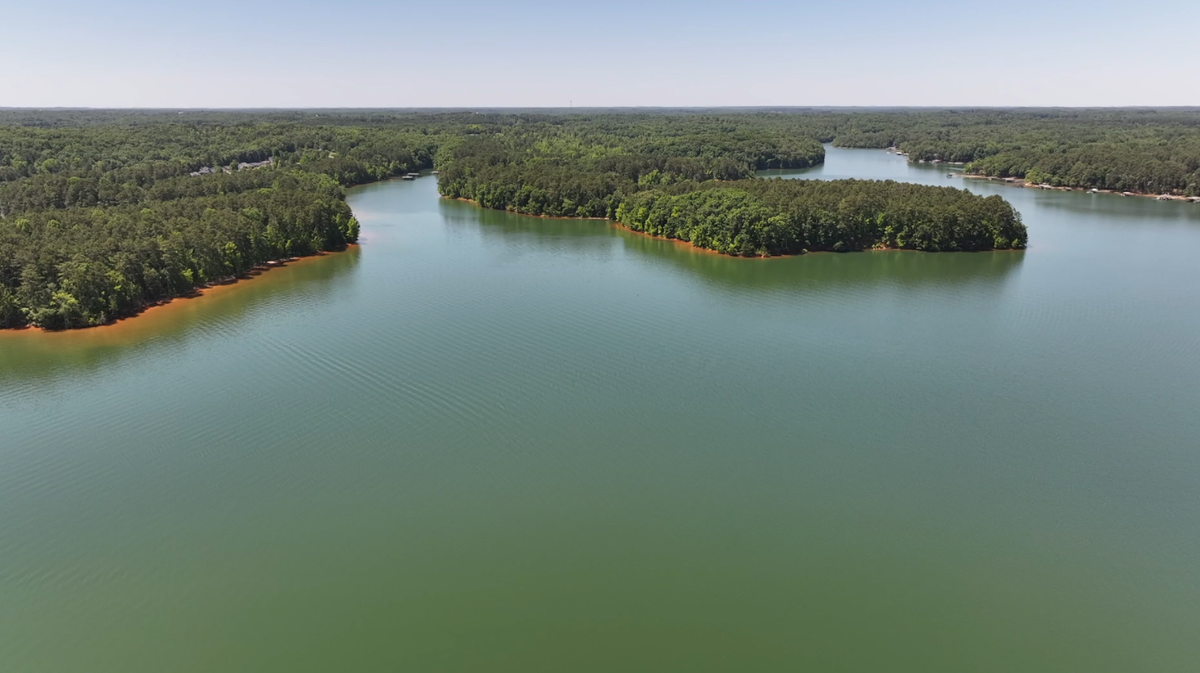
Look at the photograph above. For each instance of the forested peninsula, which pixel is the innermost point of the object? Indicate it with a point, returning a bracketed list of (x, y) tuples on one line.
[(100, 219), (1143, 151), (713, 200), (104, 213)]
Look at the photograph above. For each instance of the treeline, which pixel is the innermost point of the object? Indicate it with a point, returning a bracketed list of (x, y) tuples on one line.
[(1140, 150), (1155, 165), (79, 267), (563, 172), (1127, 149), (104, 166), (715, 202), (779, 217), (97, 222)]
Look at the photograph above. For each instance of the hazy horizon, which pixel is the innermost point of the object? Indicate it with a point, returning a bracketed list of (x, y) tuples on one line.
[(522, 108), (537, 54)]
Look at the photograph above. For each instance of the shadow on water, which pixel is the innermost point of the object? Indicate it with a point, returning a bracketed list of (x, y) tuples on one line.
[(1116, 208), (875, 268), (596, 238), (502, 228), (29, 355)]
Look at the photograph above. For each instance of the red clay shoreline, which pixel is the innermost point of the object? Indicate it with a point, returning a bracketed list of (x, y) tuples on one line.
[(693, 246), (215, 288), (696, 248)]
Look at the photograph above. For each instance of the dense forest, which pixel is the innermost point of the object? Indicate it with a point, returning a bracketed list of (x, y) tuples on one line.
[(774, 217), (572, 172), (103, 213), (100, 220), (716, 202), (76, 267), (1143, 150)]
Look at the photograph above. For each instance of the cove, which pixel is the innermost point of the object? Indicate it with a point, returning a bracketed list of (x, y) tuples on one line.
[(484, 441)]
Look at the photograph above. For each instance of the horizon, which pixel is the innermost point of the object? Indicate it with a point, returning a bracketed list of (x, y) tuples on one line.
[(522, 108)]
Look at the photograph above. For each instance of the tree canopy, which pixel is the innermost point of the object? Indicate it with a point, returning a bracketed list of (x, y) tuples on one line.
[(1141, 150), (681, 189), (774, 217)]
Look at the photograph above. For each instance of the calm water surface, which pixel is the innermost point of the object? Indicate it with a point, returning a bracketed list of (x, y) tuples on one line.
[(486, 442)]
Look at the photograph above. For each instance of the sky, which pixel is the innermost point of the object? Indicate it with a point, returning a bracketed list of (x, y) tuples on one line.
[(536, 53)]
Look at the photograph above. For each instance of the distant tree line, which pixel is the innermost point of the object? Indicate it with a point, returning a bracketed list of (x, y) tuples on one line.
[(548, 172), (1148, 151)]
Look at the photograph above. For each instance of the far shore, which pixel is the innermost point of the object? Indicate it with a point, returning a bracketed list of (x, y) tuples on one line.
[(218, 287), (1021, 182), (515, 212), (693, 247)]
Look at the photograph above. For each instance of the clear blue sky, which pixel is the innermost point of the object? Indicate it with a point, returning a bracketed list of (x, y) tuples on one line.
[(423, 53)]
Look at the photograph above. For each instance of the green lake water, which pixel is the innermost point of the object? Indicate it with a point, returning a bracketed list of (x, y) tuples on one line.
[(488, 442)]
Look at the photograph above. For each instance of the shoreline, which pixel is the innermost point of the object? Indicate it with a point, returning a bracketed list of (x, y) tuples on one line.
[(1023, 183), (619, 225), (694, 247), (708, 251), (186, 300), (515, 212)]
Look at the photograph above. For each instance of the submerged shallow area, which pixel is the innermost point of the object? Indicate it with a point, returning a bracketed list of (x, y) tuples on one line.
[(484, 441)]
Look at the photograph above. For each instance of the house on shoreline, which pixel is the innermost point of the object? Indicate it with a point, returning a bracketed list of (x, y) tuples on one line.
[(209, 170)]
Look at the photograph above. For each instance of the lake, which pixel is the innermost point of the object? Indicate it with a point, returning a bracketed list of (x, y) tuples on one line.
[(490, 442)]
